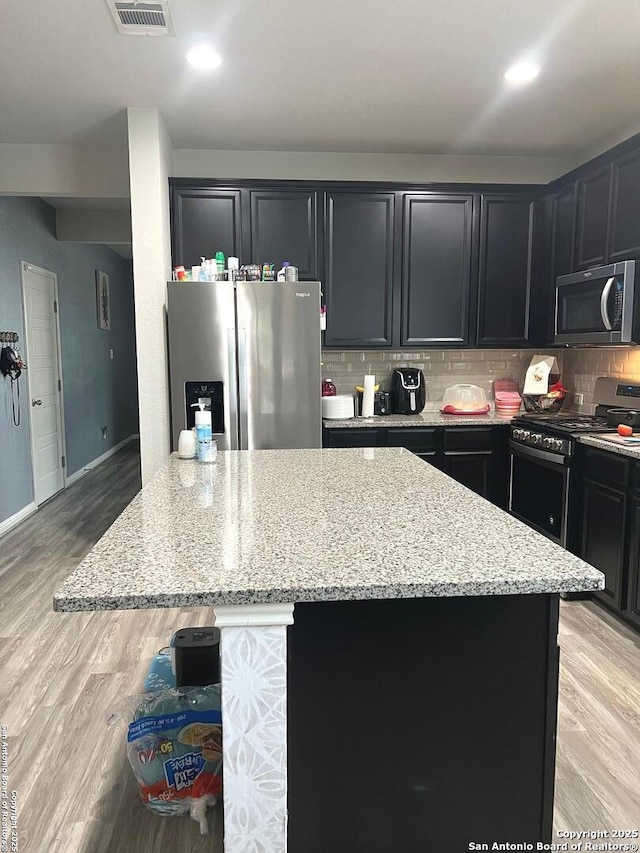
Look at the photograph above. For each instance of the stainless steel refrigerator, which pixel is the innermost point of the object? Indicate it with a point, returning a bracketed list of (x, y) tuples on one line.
[(252, 349)]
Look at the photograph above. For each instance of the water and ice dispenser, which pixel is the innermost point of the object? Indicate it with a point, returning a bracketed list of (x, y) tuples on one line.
[(211, 393)]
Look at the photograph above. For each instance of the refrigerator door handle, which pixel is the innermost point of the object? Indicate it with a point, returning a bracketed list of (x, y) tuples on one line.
[(243, 387), (232, 415)]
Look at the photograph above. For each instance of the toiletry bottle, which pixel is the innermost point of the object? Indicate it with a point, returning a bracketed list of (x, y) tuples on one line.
[(220, 263), (282, 273), (206, 446), (233, 265)]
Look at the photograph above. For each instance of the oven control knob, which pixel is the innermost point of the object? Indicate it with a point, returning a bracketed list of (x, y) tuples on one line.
[(548, 442), (536, 438), (526, 434), (517, 433), (557, 443)]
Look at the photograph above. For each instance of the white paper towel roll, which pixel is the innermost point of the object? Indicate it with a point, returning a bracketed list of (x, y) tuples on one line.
[(367, 397)]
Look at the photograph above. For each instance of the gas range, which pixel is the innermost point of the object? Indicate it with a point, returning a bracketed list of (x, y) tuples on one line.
[(543, 462), (556, 433)]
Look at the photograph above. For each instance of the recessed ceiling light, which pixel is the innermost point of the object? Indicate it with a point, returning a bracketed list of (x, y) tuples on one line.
[(522, 72), (204, 58)]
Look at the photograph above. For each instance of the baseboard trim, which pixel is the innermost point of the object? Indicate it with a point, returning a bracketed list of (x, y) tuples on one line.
[(16, 518), (73, 478)]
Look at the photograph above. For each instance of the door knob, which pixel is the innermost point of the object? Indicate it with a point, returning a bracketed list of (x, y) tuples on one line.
[(36, 402)]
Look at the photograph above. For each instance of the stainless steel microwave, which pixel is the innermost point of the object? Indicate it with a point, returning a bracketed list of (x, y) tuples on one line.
[(597, 306)]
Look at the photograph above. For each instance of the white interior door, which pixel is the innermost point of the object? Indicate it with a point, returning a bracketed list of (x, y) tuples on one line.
[(45, 398)]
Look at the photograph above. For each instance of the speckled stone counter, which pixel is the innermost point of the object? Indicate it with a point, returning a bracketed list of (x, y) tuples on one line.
[(369, 577), (424, 419), (312, 525), (632, 450)]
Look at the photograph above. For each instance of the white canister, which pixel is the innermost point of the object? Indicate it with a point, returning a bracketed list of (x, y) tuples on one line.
[(187, 444)]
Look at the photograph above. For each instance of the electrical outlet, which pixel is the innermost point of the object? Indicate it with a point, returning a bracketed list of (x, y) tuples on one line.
[(111, 354), (105, 430), (578, 399)]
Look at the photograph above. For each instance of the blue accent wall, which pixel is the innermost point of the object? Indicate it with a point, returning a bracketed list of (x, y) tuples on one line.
[(98, 391)]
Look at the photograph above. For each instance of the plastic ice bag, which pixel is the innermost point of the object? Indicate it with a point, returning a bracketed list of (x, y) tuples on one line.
[(174, 746)]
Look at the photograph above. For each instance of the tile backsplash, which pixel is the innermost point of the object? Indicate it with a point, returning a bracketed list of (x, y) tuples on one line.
[(441, 368), (583, 366)]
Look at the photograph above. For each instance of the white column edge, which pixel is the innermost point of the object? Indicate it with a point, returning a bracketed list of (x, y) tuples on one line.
[(250, 615)]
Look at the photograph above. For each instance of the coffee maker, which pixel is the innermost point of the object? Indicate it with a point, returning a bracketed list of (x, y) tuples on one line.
[(408, 391)]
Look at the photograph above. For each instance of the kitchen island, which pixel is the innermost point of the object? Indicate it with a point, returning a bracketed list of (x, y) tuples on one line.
[(389, 656)]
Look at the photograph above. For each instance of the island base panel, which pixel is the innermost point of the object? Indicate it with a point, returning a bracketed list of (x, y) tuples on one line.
[(421, 725)]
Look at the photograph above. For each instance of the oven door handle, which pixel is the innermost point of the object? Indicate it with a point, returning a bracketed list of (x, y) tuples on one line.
[(535, 453), (604, 299)]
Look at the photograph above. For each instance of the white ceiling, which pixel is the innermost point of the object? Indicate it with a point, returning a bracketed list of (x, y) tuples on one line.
[(421, 76)]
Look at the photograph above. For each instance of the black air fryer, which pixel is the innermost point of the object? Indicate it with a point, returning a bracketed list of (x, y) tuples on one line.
[(408, 391)]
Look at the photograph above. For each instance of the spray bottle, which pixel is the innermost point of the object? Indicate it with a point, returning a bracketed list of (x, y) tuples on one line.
[(206, 447)]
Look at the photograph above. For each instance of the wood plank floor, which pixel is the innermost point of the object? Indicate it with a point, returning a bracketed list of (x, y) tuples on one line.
[(62, 673)]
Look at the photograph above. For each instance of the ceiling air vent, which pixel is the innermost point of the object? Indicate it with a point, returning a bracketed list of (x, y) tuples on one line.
[(142, 19)]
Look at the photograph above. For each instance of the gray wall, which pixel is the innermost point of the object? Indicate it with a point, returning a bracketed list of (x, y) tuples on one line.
[(98, 391)]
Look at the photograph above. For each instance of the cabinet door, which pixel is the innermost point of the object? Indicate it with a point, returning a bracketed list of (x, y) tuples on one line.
[(624, 225), (436, 269), (563, 237), (354, 437), (592, 218), (204, 222), (284, 227), (506, 254), (603, 531), (470, 469), (359, 268), (633, 597)]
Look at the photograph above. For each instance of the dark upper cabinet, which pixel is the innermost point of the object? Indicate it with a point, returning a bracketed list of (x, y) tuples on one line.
[(358, 268), (284, 227), (205, 221), (563, 232), (603, 530), (506, 270), (624, 222), (592, 218), (436, 269)]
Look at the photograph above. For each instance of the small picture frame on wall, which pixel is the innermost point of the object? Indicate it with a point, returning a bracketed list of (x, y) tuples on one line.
[(103, 300)]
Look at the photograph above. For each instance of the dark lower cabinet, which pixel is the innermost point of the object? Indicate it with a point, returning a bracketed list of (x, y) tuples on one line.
[(358, 268), (604, 512), (506, 270), (610, 527), (633, 581), (354, 437), (592, 218), (436, 269), (204, 221), (470, 469), (477, 457), (284, 227), (440, 728)]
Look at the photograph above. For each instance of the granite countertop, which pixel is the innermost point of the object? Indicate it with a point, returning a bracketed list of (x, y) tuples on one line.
[(313, 525), (632, 450), (424, 419)]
